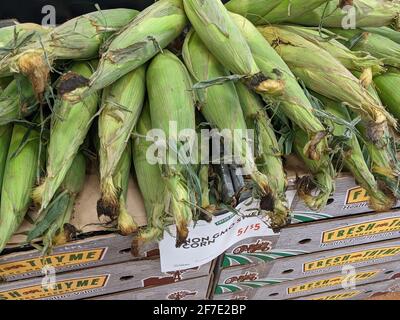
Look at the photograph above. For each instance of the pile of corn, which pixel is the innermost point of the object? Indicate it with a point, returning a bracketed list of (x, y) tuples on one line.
[(97, 88)]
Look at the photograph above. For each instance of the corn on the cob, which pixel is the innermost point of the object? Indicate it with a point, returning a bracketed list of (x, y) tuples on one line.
[(150, 181), (353, 158), (17, 101), (379, 46), (121, 107), (352, 60), (69, 127), (77, 39), (315, 190), (293, 102), (172, 102), (18, 180), (150, 32), (365, 13), (268, 153), (328, 77), (221, 35), (13, 39), (388, 85), (5, 138), (222, 109), (53, 224), (385, 32), (253, 10)]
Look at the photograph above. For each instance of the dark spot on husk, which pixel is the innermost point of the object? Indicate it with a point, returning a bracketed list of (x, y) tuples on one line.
[(107, 210), (70, 232), (312, 152), (375, 132), (277, 72), (343, 3), (71, 81), (267, 203), (256, 80)]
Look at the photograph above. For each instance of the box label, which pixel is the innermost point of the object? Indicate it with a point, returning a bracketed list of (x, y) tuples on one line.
[(362, 229), (339, 296), (356, 195), (329, 282), (56, 260), (61, 287), (354, 257)]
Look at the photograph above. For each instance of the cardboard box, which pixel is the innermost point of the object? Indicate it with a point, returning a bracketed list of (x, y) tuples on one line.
[(194, 289), (309, 265), (368, 291), (98, 281), (315, 237), (279, 289)]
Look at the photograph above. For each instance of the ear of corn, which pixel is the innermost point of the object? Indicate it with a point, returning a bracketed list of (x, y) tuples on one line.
[(379, 46), (317, 189), (172, 102), (53, 224), (151, 31), (79, 38), (221, 35), (353, 158), (293, 102), (121, 107), (18, 180), (267, 150), (5, 138), (222, 109), (150, 182), (328, 77), (69, 127), (388, 86), (253, 10), (17, 101), (364, 13), (385, 32), (352, 60)]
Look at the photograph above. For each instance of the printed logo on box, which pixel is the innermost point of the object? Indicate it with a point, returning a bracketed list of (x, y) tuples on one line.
[(56, 260), (356, 195), (339, 296), (248, 276), (329, 282), (353, 257), (61, 287), (180, 295), (362, 229)]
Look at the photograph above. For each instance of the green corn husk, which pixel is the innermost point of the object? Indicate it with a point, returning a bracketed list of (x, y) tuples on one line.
[(328, 77), (379, 46), (268, 153), (121, 107), (150, 182), (253, 10), (5, 138), (150, 32), (215, 27), (77, 39), (17, 101), (385, 32), (18, 180), (317, 189), (353, 158), (172, 100), (222, 109), (387, 86), (69, 127), (54, 223), (13, 39), (352, 60), (293, 102), (367, 13), (126, 224), (4, 82)]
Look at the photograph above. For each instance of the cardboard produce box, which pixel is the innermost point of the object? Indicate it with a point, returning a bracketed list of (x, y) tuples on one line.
[(365, 292), (193, 289), (309, 265), (279, 289), (98, 281)]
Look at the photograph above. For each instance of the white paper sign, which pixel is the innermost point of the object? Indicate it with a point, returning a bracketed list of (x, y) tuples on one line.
[(207, 241)]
